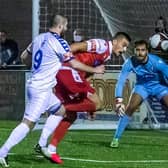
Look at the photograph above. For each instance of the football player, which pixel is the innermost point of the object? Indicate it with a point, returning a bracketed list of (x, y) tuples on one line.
[(147, 68)]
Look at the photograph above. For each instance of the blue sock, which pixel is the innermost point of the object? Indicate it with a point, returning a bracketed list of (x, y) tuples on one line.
[(122, 124)]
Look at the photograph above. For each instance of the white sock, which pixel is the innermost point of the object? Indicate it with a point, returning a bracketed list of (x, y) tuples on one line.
[(52, 148), (17, 135), (50, 125)]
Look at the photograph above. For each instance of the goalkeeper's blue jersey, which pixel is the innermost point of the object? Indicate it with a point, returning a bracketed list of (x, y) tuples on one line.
[(147, 74)]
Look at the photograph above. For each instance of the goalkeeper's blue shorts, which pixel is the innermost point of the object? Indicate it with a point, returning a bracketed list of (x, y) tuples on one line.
[(156, 90)]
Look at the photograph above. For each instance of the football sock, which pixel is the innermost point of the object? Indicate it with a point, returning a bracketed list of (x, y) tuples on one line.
[(51, 123), (62, 128), (85, 105), (18, 134), (52, 148), (122, 124)]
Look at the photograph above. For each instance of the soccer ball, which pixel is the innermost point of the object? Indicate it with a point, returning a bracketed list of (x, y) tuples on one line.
[(159, 41), (164, 45)]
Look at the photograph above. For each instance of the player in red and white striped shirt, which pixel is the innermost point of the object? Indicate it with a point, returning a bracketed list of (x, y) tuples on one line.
[(73, 88)]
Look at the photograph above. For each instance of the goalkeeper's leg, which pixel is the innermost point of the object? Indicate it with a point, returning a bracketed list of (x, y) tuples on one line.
[(135, 101)]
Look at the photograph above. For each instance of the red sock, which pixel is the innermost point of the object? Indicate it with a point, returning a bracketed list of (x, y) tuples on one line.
[(85, 105), (62, 128)]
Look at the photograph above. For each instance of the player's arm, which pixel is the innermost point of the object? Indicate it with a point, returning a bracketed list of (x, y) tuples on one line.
[(162, 67), (26, 56), (93, 45), (68, 56), (78, 47), (83, 67), (126, 69)]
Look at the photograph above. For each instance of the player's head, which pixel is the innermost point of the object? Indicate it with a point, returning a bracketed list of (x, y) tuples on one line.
[(141, 48), (3, 36), (120, 43), (78, 35), (59, 23)]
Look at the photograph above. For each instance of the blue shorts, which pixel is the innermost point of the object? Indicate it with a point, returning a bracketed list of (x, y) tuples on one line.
[(156, 90)]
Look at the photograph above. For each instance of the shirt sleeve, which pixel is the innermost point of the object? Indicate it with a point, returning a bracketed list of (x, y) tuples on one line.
[(162, 67), (62, 49), (126, 69), (98, 46)]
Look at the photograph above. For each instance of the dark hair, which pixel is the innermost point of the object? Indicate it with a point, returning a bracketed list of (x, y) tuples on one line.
[(122, 35), (141, 42), (3, 31)]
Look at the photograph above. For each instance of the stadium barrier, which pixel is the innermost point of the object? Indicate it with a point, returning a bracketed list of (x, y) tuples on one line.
[(151, 114), (12, 92)]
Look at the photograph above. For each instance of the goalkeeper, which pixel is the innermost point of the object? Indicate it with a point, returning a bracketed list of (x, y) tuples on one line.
[(148, 69)]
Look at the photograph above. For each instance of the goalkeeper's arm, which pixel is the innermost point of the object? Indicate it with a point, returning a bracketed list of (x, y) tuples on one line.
[(126, 69)]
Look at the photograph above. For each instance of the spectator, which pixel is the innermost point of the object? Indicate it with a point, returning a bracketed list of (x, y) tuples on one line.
[(160, 25), (78, 35), (8, 50)]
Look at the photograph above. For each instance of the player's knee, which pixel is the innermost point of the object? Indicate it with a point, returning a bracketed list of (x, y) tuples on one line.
[(29, 123), (60, 111), (70, 117), (130, 110)]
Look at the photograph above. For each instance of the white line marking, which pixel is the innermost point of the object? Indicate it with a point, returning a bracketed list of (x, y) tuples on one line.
[(106, 161), (116, 161)]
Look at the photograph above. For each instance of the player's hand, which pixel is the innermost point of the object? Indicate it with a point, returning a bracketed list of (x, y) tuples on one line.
[(99, 69), (119, 107)]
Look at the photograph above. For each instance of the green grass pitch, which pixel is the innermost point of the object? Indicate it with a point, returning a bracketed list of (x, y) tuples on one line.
[(90, 149)]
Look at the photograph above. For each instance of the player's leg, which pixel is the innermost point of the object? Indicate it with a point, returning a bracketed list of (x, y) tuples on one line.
[(161, 92), (16, 136), (62, 129), (70, 117), (83, 105), (57, 111), (164, 100), (75, 88), (59, 133), (135, 100), (36, 103)]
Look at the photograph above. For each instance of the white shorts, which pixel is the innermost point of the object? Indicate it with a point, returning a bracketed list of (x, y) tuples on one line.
[(38, 102)]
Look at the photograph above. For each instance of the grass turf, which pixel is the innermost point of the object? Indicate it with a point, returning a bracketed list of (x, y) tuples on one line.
[(90, 149)]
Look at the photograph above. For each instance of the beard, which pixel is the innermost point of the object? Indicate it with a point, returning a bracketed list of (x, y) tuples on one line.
[(141, 59)]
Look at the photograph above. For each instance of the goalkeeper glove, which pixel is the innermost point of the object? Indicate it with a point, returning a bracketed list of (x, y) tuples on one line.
[(119, 106)]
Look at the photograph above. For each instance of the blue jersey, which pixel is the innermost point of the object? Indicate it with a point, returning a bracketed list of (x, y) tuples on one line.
[(147, 74)]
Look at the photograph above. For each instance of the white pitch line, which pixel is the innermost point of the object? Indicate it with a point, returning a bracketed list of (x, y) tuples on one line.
[(106, 161), (116, 161)]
